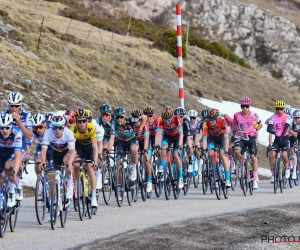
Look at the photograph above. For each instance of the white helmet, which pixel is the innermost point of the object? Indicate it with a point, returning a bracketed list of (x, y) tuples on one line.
[(5, 120), (37, 119), (14, 98), (193, 113), (58, 120)]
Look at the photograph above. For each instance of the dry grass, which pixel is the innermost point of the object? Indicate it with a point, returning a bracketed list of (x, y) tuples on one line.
[(128, 72)]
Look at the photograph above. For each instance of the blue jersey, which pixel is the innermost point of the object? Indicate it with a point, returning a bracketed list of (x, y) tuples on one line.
[(13, 142), (106, 126), (125, 132), (25, 118)]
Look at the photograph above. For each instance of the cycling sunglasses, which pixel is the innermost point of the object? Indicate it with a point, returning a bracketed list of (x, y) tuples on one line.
[(81, 121), (14, 106), (57, 127), (193, 118), (38, 127), (105, 114), (5, 128), (120, 117), (279, 109), (150, 116), (244, 106)]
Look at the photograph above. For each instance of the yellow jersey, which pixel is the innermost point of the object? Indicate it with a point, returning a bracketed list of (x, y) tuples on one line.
[(86, 138)]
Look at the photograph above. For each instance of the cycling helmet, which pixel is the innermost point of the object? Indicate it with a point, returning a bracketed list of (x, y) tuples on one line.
[(179, 111), (89, 114), (105, 108), (149, 110), (296, 113), (204, 113), (279, 104), (14, 98), (119, 111), (48, 116), (213, 114), (136, 112), (167, 113), (192, 113), (80, 113), (245, 101), (5, 120), (37, 119), (70, 115), (288, 109), (58, 120)]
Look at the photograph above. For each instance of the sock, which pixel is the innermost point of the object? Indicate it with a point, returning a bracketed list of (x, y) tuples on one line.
[(179, 172), (149, 178), (287, 166), (69, 182), (98, 174), (227, 176), (295, 168), (255, 176), (12, 187), (19, 183), (93, 194)]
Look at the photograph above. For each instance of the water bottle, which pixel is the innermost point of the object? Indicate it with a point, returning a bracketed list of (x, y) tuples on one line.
[(1, 199)]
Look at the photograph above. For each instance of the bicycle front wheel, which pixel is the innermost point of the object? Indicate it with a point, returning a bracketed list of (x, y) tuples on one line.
[(167, 182), (107, 183), (131, 189), (40, 199), (3, 216), (81, 196), (205, 178), (120, 181), (65, 205), (53, 206), (216, 182)]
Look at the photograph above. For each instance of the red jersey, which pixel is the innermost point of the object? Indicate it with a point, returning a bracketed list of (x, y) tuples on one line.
[(171, 128), (153, 125), (219, 129), (144, 132)]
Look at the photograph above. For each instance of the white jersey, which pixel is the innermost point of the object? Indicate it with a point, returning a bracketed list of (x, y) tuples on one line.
[(66, 141), (99, 131), (194, 126)]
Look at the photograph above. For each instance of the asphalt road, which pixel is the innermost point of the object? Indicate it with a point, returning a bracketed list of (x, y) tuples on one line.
[(112, 221)]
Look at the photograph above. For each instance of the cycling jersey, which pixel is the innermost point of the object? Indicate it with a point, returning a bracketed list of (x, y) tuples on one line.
[(195, 127), (278, 123), (25, 118), (99, 131), (220, 128), (246, 123), (171, 128), (125, 131), (13, 142), (153, 125), (66, 141), (89, 136), (145, 131), (186, 126), (39, 140), (295, 126), (106, 126)]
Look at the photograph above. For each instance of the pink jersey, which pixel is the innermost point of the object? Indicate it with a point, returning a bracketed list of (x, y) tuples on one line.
[(279, 122), (246, 123), (229, 121)]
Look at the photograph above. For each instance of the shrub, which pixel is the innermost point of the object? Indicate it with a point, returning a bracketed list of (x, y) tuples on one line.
[(168, 42)]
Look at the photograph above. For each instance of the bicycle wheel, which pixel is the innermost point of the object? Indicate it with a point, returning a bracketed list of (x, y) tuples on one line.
[(196, 178), (120, 185), (3, 215), (142, 181), (74, 193), (243, 179), (157, 179), (205, 178), (234, 170), (53, 205), (174, 181), (65, 205), (211, 179), (81, 196), (221, 176), (250, 182), (88, 199), (185, 176), (131, 188), (216, 182), (291, 181), (107, 183), (282, 179), (276, 175), (40, 200), (167, 181)]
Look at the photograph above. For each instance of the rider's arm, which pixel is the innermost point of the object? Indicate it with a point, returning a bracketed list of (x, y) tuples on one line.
[(45, 144), (112, 135), (17, 151), (270, 127), (267, 121), (143, 121), (205, 134), (180, 131), (158, 135)]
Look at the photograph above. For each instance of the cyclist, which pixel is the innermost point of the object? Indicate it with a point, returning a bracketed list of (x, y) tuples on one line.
[(144, 146), (48, 119), (152, 120), (294, 140), (10, 152), (21, 119), (244, 124), (99, 137), (215, 133), (280, 125), (69, 115), (171, 126), (124, 127), (39, 128), (86, 148), (194, 127)]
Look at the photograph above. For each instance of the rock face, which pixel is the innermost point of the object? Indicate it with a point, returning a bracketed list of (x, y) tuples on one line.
[(267, 42)]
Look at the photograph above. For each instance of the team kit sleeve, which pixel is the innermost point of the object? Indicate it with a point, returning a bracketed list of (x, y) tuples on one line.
[(18, 141), (70, 139), (28, 123), (94, 135), (46, 138)]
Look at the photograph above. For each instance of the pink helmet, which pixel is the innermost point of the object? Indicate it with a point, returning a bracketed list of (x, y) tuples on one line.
[(245, 101)]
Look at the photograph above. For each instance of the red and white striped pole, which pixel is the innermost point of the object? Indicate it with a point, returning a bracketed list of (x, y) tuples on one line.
[(179, 55)]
